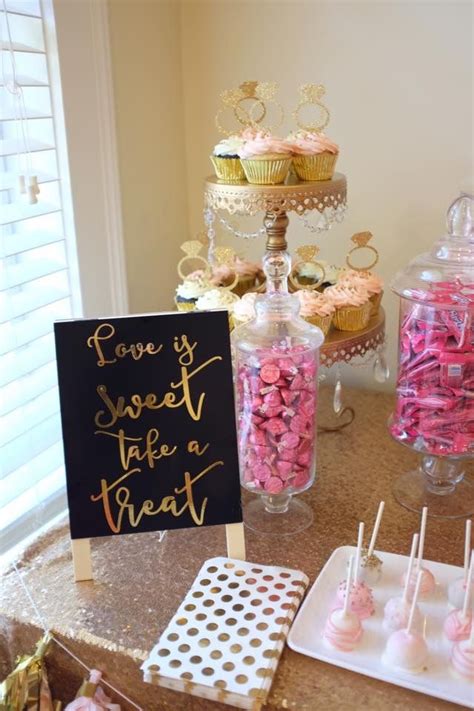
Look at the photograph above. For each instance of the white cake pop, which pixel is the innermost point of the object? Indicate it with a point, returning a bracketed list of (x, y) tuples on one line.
[(457, 625), (371, 564), (457, 588), (406, 650), (397, 609), (428, 582), (343, 629), (361, 599)]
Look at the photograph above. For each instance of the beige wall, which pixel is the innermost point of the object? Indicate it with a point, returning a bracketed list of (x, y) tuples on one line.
[(146, 64), (398, 78)]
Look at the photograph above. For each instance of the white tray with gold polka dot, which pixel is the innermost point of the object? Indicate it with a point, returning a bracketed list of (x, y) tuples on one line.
[(225, 640)]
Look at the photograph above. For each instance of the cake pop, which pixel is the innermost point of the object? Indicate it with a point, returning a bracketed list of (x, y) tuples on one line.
[(397, 609), (406, 649), (361, 600), (343, 629), (457, 588), (457, 625), (428, 582), (462, 657), (371, 564)]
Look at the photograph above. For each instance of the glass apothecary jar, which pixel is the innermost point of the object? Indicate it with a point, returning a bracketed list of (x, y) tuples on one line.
[(434, 412), (277, 358)]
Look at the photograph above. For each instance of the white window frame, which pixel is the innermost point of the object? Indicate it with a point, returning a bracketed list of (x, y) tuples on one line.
[(84, 68)]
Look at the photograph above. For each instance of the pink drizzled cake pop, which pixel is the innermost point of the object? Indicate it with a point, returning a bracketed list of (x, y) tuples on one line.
[(428, 582), (457, 625), (361, 600), (457, 588), (371, 565), (397, 609), (406, 649), (343, 629), (462, 657)]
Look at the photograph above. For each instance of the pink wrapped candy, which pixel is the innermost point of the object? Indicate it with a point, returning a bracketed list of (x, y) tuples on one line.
[(435, 387), (276, 400)]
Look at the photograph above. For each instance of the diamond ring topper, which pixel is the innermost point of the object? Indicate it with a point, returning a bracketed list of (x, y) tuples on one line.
[(361, 241), (225, 257), (307, 254), (192, 249), (311, 95), (248, 104)]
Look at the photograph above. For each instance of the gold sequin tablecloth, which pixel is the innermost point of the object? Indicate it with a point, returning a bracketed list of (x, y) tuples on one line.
[(113, 621)]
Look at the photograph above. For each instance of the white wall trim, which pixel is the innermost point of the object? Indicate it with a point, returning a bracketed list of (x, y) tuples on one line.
[(82, 31), (109, 156)]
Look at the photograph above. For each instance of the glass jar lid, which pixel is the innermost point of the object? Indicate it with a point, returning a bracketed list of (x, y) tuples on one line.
[(445, 275)]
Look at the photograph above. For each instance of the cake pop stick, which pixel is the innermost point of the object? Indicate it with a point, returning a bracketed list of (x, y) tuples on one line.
[(414, 601), (376, 529), (421, 545), (397, 609), (428, 582), (345, 607), (458, 624), (360, 538), (361, 598), (406, 649)]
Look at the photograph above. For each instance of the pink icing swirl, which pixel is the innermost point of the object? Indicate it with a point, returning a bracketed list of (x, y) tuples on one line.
[(262, 144), (368, 281), (246, 269), (361, 600), (340, 636), (341, 296), (456, 627), (306, 143), (313, 303), (462, 659)]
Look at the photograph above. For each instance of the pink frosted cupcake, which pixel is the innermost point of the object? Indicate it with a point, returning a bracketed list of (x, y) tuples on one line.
[(368, 281), (352, 307), (265, 159), (316, 309), (250, 275), (314, 155)]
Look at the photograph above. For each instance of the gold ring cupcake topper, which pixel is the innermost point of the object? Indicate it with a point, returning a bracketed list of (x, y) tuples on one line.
[(307, 254), (191, 248), (361, 241), (311, 95), (223, 256), (249, 104)]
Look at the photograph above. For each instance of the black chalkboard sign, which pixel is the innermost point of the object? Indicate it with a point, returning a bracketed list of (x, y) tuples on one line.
[(148, 419)]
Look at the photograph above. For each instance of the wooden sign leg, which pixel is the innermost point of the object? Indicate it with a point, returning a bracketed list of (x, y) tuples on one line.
[(81, 558), (235, 540)]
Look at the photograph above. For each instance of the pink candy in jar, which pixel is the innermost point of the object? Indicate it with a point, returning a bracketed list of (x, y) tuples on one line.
[(277, 398)]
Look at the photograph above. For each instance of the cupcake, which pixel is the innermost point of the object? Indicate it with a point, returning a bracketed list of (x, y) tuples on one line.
[(249, 275), (314, 155), (310, 273), (218, 299), (244, 309), (226, 159), (316, 309), (352, 307), (188, 292), (265, 159), (368, 281)]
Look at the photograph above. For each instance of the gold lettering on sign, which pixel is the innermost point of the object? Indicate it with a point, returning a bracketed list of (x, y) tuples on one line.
[(195, 448), (132, 452), (168, 504), (104, 332)]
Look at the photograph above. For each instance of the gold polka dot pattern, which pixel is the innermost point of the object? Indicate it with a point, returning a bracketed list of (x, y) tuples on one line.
[(233, 657)]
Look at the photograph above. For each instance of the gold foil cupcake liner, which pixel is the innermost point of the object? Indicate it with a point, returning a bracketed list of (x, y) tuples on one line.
[(375, 300), (352, 318), (318, 167), (228, 169), (323, 322), (185, 305), (266, 171)]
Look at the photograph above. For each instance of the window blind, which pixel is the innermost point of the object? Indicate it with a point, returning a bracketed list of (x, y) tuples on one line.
[(37, 267)]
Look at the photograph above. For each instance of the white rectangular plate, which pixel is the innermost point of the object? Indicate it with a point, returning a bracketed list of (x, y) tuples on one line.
[(306, 634)]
